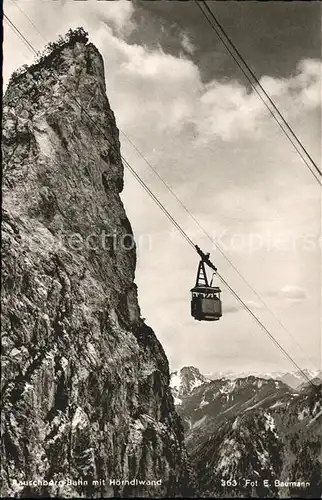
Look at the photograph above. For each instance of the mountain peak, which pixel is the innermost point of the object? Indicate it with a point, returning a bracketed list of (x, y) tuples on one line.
[(184, 381)]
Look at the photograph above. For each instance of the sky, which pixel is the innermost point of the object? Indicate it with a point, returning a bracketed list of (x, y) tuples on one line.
[(186, 107)]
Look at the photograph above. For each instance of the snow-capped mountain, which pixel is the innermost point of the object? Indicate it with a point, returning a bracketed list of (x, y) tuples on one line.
[(184, 381), (251, 427), (292, 379), (209, 405), (279, 443)]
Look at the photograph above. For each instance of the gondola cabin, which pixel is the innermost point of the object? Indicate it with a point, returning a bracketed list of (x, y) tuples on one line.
[(205, 298), (206, 303)]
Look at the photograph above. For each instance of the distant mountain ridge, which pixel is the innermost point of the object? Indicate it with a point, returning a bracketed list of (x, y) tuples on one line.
[(293, 379), (252, 427)]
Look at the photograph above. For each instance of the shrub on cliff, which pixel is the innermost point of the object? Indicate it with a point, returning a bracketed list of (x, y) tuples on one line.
[(51, 50)]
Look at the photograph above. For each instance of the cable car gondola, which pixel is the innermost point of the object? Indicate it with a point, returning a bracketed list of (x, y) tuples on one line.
[(205, 298)]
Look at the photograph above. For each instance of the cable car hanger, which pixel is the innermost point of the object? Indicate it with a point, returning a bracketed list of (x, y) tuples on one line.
[(205, 258), (205, 298)]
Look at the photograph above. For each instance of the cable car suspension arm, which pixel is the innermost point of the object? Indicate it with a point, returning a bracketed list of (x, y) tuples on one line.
[(205, 258)]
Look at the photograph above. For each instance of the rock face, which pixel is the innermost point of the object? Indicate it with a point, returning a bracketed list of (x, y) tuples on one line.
[(87, 407)]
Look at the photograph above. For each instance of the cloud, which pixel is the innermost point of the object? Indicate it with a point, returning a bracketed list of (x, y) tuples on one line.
[(293, 293), (187, 44), (302, 89), (254, 305), (167, 94), (229, 110), (230, 308), (119, 15), (152, 88)]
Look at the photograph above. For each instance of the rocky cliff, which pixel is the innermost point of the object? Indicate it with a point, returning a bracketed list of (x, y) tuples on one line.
[(86, 404)]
